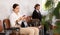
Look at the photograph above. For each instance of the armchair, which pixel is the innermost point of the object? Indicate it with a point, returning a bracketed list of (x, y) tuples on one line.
[(1, 28), (7, 27)]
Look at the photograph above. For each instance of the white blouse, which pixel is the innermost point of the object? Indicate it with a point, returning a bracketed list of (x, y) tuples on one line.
[(13, 17)]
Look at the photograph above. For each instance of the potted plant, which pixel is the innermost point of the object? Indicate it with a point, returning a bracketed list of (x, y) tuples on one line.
[(49, 5)]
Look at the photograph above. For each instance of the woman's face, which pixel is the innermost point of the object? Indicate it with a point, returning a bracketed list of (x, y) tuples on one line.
[(16, 9), (38, 7)]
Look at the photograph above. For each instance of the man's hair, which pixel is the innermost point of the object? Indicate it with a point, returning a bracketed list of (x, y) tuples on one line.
[(15, 5), (36, 5)]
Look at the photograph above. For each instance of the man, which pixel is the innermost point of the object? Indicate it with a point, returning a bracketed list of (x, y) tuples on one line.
[(16, 16)]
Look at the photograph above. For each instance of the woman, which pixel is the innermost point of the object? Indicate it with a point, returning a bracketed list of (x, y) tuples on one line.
[(16, 16), (36, 13)]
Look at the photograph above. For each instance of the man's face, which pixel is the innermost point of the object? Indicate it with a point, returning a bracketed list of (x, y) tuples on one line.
[(38, 7), (16, 9)]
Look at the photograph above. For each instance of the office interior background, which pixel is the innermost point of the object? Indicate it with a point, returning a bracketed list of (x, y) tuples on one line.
[(26, 7)]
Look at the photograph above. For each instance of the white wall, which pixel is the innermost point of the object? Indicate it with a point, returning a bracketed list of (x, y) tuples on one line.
[(5, 8), (26, 6)]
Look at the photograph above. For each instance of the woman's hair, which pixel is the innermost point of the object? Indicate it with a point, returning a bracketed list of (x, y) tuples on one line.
[(36, 5), (15, 5)]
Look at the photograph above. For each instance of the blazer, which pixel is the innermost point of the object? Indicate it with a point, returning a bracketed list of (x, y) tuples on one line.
[(36, 15)]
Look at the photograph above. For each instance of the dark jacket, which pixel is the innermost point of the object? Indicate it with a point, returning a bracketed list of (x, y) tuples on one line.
[(36, 15)]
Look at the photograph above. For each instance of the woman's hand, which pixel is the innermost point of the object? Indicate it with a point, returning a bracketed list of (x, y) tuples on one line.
[(21, 18), (40, 27), (24, 18)]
